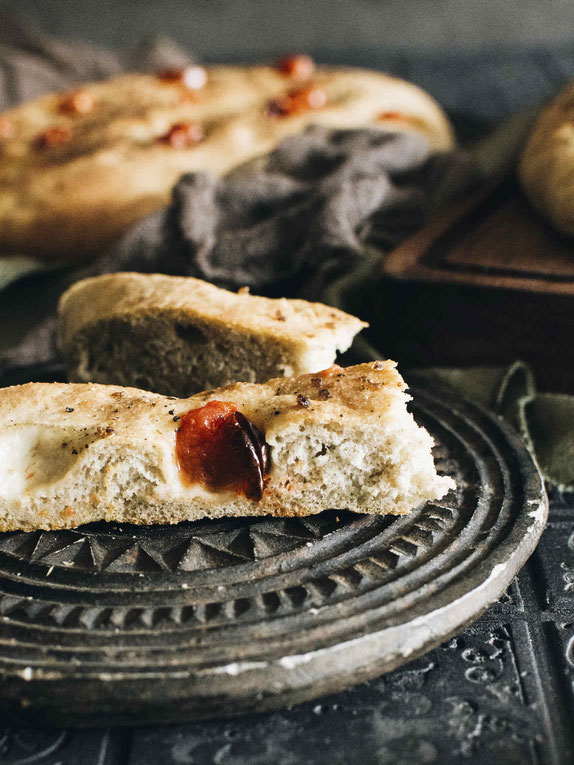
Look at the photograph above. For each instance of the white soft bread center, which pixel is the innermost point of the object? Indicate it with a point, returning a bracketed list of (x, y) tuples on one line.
[(31, 455), (36, 461)]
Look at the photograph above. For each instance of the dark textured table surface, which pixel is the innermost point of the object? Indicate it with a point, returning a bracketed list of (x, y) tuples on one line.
[(501, 692)]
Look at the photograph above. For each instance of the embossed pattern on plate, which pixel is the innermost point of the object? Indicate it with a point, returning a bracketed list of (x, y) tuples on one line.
[(124, 624)]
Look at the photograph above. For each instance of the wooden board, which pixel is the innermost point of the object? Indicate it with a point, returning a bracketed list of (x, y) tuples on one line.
[(485, 283)]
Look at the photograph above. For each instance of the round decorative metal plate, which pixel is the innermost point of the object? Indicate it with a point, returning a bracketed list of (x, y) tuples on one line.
[(125, 624)]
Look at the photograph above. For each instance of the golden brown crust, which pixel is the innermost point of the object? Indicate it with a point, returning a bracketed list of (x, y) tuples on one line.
[(546, 167), (76, 196)]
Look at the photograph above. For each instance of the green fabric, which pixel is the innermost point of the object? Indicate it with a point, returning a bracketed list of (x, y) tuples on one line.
[(544, 420), (497, 153), (550, 421)]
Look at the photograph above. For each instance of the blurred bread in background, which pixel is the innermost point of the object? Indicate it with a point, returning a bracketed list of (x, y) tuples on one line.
[(547, 163)]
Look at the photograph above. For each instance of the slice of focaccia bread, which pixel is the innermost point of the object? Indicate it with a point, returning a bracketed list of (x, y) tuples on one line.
[(179, 335), (72, 454)]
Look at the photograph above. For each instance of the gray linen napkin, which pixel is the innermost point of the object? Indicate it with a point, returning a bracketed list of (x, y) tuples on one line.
[(295, 219)]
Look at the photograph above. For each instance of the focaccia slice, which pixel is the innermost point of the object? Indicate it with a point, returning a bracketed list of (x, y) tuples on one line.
[(179, 335), (72, 453)]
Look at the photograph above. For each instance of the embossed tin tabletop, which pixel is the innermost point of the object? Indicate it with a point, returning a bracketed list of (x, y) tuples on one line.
[(111, 624)]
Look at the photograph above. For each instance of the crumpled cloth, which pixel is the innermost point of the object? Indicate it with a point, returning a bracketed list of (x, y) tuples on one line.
[(545, 421), (289, 223)]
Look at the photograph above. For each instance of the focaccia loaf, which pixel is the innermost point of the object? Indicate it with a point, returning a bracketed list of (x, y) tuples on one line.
[(179, 335), (72, 453), (77, 169)]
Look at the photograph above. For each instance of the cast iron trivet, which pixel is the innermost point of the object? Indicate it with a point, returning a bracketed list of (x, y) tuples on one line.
[(110, 624)]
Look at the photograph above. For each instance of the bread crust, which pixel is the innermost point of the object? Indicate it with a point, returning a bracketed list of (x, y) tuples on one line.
[(75, 198), (546, 167), (74, 454)]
